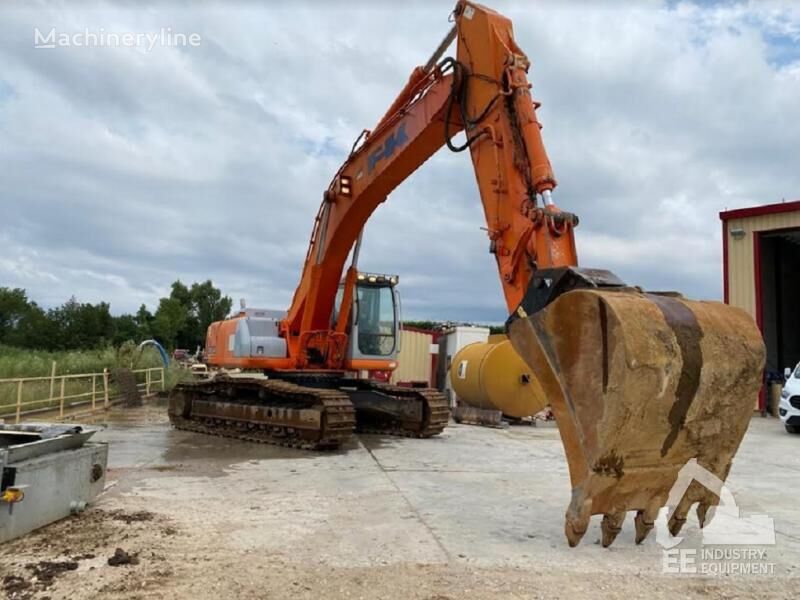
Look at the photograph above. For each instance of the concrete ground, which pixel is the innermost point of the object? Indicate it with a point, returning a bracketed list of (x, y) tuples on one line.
[(473, 513)]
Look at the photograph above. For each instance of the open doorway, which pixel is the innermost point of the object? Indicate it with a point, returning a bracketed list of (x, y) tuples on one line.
[(777, 258)]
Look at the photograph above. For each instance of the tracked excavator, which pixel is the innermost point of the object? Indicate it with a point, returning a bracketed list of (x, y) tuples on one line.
[(641, 383)]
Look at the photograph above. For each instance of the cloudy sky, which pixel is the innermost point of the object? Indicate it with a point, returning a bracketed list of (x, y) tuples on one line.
[(122, 169)]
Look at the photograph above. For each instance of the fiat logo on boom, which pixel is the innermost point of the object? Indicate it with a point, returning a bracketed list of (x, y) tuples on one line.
[(392, 143)]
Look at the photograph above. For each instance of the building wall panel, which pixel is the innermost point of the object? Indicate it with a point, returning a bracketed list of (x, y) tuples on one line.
[(414, 359), (741, 256)]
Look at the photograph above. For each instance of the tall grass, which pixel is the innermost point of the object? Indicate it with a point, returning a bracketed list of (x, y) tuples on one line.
[(18, 362)]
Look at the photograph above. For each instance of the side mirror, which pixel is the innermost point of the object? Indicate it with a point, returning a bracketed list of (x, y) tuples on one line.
[(787, 372)]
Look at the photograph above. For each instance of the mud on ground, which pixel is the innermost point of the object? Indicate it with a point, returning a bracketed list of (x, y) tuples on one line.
[(69, 559)]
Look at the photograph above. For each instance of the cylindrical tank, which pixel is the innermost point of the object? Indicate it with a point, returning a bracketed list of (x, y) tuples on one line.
[(491, 375)]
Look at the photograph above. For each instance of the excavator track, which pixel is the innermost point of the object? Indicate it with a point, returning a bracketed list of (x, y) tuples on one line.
[(429, 403), (383, 408), (270, 411)]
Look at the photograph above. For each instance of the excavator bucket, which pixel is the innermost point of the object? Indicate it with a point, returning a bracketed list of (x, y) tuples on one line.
[(641, 384)]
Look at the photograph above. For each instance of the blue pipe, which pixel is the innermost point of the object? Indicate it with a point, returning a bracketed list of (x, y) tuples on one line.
[(159, 347)]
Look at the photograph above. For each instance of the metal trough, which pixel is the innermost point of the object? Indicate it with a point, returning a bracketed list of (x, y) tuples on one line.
[(48, 471)]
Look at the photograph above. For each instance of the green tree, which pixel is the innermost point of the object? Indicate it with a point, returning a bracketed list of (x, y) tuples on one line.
[(13, 307), (144, 321), (181, 293), (34, 329), (203, 304), (82, 325), (169, 321), (209, 305), (427, 325), (190, 329), (126, 329), (181, 320)]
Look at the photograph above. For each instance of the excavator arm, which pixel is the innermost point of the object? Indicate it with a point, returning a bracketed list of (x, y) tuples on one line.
[(642, 384)]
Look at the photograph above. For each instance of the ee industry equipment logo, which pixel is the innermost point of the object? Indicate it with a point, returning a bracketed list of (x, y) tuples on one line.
[(731, 544)]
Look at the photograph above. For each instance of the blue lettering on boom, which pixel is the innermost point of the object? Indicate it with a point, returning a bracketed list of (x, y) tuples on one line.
[(392, 143)]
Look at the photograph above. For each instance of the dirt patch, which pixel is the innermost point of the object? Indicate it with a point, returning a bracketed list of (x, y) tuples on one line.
[(16, 587), (46, 571), (85, 535), (121, 557), (86, 556), (43, 575), (69, 558), (131, 517)]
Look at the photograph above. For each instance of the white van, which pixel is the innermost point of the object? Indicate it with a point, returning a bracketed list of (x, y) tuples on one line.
[(789, 408)]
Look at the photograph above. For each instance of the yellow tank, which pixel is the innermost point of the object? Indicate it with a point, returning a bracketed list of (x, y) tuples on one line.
[(491, 375)]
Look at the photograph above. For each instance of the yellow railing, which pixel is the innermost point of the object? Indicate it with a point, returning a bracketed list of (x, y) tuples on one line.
[(39, 394)]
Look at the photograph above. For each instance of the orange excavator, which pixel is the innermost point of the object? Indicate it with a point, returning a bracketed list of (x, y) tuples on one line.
[(640, 383)]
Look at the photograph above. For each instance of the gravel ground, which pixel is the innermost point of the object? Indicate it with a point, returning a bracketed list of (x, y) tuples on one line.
[(476, 513)]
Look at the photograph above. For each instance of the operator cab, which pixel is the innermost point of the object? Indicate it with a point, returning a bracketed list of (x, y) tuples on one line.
[(375, 317)]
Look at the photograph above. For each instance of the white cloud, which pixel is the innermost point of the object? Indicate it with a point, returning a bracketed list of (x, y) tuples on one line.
[(122, 170)]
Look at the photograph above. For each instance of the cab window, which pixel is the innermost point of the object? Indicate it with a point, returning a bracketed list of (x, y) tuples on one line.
[(376, 321)]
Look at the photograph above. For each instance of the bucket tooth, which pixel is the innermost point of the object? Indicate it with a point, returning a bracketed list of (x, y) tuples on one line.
[(705, 513), (610, 527), (577, 520), (677, 520), (640, 385), (574, 533), (644, 523)]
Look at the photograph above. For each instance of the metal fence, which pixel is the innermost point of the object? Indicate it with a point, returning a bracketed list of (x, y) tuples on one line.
[(31, 395)]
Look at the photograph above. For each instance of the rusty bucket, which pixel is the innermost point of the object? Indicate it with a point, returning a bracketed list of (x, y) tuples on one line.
[(640, 384)]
